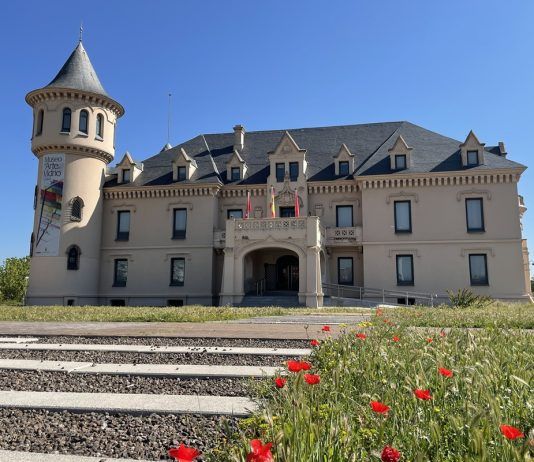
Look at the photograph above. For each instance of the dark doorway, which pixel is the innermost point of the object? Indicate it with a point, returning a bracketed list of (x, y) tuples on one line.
[(287, 212), (287, 273)]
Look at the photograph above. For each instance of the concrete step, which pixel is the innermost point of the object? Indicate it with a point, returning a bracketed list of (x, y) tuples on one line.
[(127, 403), (21, 456)]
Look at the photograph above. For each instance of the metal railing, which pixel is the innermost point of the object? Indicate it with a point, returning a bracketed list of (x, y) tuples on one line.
[(260, 286), (398, 297)]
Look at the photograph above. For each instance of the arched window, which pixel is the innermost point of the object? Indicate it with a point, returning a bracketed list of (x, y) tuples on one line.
[(32, 240), (39, 124), (65, 123), (73, 257), (100, 126), (76, 206), (84, 121)]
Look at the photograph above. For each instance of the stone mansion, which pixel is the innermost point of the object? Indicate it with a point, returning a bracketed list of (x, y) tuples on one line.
[(390, 209)]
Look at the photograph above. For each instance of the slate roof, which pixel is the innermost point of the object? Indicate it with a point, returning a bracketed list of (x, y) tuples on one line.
[(78, 73), (368, 142)]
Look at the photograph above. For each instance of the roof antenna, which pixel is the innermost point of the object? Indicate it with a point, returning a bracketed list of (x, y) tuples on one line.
[(169, 120), (81, 31)]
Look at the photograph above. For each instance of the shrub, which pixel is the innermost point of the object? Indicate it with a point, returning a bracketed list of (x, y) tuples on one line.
[(13, 274), (464, 298)]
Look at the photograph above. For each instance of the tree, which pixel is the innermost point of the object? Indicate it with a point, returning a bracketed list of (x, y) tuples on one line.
[(13, 276)]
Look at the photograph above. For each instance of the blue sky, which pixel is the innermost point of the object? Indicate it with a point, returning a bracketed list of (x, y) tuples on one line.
[(448, 66)]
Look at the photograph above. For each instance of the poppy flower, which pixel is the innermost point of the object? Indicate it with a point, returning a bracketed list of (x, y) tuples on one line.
[(395, 338), (442, 333), (297, 366), (326, 329), (280, 382), (361, 336), (260, 452), (390, 454), (380, 408), (305, 366), (314, 343), (510, 432), (312, 379), (445, 372), (184, 453), (422, 394), (379, 312), (429, 340)]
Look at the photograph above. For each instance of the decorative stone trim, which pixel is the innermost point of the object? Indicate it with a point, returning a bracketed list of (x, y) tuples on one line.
[(150, 193), (403, 195), (241, 191), (185, 255), (173, 205), (487, 250), (74, 149), (269, 224), (130, 207), (392, 252), (468, 192), (332, 187), (346, 200)]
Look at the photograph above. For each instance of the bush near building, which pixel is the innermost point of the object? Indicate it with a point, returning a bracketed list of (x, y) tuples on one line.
[(13, 279)]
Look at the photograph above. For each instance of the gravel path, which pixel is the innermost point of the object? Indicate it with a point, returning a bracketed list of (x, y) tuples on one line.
[(170, 341), (109, 435), (146, 358), (89, 383)]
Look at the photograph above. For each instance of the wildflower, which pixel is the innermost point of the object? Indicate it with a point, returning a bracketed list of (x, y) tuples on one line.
[(361, 336), (260, 452), (305, 366), (380, 408), (280, 382), (379, 312), (445, 372), (314, 343), (510, 432), (395, 338), (183, 453), (297, 366), (390, 454), (312, 379), (429, 340), (422, 394), (326, 329), (442, 333)]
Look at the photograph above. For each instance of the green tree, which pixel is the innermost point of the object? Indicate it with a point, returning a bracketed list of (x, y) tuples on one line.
[(13, 276)]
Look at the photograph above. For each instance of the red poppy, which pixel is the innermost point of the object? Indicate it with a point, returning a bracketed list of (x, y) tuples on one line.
[(297, 366), (390, 454), (380, 408), (445, 372), (312, 379), (260, 452), (429, 340), (305, 366), (395, 338), (422, 394), (379, 312), (280, 382), (510, 432), (442, 333), (361, 336), (314, 343), (326, 329), (183, 453)]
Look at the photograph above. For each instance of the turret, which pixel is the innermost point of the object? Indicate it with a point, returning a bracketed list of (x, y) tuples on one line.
[(73, 138)]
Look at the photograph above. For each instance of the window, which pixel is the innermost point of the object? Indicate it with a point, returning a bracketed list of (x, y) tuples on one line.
[(120, 273), (73, 258), (76, 209), (99, 132), (234, 213), (182, 174), (65, 123), (345, 274), (126, 175), (472, 158), (123, 225), (177, 271), (179, 223), (280, 172), (84, 121), (293, 171), (175, 302), (32, 240), (287, 212), (344, 216), (236, 173), (35, 193), (343, 168), (405, 270), (39, 125), (400, 161), (475, 215), (478, 269), (117, 302), (70, 302), (403, 217)]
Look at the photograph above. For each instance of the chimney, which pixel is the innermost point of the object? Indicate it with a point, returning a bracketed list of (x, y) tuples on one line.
[(239, 137), (502, 149)]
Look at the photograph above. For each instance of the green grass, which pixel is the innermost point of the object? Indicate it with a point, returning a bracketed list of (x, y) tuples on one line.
[(333, 422)]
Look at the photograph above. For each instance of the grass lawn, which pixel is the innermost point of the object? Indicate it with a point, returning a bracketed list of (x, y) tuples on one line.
[(488, 383)]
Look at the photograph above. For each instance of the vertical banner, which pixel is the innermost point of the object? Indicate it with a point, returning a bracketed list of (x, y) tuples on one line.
[(51, 194)]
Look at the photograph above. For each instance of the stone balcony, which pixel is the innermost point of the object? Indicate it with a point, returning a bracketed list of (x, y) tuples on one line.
[(344, 236)]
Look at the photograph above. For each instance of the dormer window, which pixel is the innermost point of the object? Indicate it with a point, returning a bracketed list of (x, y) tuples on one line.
[(65, 121), (182, 173), (472, 158), (293, 171), (84, 121), (236, 173), (472, 151), (126, 175), (280, 172), (343, 168), (400, 162)]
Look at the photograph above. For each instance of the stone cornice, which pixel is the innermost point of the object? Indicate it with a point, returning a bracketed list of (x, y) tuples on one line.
[(74, 149), (154, 192), (336, 186)]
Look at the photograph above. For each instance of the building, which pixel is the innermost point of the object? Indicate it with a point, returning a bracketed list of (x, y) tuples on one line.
[(390, 206)]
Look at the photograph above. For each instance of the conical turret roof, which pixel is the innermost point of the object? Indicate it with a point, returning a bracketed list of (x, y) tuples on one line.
[(78, 73)]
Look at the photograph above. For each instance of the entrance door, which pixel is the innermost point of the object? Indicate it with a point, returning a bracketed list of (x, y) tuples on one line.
[(287, 273), (287, 212)]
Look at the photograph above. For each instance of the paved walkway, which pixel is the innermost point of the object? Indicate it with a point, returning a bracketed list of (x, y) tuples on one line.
[(20, 456)]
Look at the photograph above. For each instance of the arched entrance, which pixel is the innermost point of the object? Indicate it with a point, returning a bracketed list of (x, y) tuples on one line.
[(287, 273)]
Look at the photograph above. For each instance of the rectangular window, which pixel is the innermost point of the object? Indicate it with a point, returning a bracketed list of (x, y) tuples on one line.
[(400, 161), (287, 212), (182, 174), (179, 223), (345, 274), (117, 302), (234, 213), (293, 171), (177, 271), (475, 215), (478, 269), (280, 172), (405, 270), (236, 173), (175, 302), (344, 168), (403, 217), (120, 273), (472, 158), (126, 175), (123, 225), (344, 216)]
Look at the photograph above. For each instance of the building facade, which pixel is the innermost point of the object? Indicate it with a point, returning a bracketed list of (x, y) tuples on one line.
[(389, 206)]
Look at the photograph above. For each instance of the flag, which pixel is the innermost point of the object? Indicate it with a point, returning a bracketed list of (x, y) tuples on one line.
[(273, 209), (249, 206), (297, 205)]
